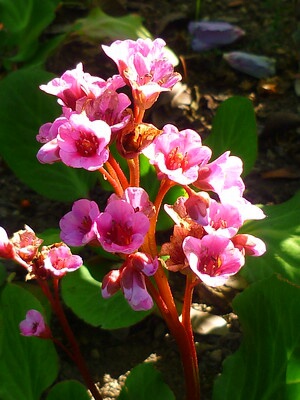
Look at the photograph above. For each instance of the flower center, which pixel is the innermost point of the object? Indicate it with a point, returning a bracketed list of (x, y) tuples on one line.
[(176, 159), (120, 234), (211, 264), (87, 144), (86, 225), (219, 224)]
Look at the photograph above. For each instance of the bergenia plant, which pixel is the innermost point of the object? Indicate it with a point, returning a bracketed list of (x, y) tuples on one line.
[(205, 246)]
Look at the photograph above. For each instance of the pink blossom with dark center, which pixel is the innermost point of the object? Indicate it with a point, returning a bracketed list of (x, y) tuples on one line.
[(178, 155), (213, 258), (224, 219), (83, 143), (34, 325), (120, 228), (130, 278), (58, 260), (144, 66), (78, 227)]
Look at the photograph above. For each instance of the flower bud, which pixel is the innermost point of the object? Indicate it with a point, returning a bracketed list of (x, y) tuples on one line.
[(131, 143)]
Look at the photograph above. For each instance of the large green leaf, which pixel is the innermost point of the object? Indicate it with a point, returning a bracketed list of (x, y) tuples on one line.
[(280, 230), (23, 109), (28, 365), (24, 21), (145, 383), (267, 364), (68, 390), (99, 25), (234, 129), (82, 293)]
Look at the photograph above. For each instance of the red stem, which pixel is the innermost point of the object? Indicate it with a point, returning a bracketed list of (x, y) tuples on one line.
[(118, 170), (114, 183), (186, 345), (134, 169), (76, 355)]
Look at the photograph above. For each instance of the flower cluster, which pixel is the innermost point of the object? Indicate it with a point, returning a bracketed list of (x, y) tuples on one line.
[(206, 241)]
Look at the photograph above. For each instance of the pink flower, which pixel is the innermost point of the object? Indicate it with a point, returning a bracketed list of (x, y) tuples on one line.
[(120, 228), (49, 131), (131, 279), (224, 219), (34, 325), (58, 260), (49, 152), (213, 258), (138, 198), (178, 155), (72, 86), (221, 175), (246, 209), (144, 66), (78, 227), (109, 106), (83, 143), (196, 206), (6, 247), (249, 245)]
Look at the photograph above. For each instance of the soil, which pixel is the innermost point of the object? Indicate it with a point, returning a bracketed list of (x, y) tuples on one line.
[(209, 80)]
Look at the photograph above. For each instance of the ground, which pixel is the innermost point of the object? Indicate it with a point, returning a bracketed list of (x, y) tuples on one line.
[(269, 27)]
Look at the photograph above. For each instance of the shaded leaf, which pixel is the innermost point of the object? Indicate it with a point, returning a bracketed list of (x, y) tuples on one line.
[(19, 92), (28, 365), (68, 390), (145, 383), (82, 293), (24, 21), (234, 129), (280, 230), (99, 25), (267, 364)]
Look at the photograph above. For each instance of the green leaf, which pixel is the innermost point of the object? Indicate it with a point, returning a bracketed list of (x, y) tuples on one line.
[(280, 230), (82, 293), (267, 364), (68, 390), (24, 21), (28, 365), (145, 383), (50, 236), (99, 25), (234, 129), (20, 95)]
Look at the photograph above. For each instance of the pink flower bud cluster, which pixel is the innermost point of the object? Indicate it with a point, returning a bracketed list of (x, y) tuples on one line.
[(41, 263)]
